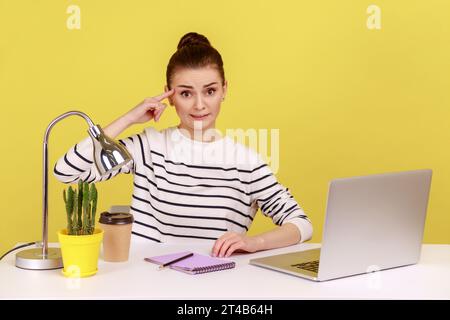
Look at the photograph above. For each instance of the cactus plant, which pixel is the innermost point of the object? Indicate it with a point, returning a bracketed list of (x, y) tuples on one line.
[(81, 207)]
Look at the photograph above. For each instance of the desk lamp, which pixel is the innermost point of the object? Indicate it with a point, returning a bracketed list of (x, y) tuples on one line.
[(108, 156)]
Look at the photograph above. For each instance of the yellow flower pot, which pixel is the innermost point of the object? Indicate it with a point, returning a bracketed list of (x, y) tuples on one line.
[(80, 253)]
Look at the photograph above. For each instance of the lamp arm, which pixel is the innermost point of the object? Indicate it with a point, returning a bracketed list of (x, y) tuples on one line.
[(93, 129)]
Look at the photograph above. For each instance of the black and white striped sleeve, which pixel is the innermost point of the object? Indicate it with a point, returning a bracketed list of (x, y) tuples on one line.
[(78, 163), (276, 202)]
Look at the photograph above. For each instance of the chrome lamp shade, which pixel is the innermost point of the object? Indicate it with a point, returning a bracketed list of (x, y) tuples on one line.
[(108, 156)]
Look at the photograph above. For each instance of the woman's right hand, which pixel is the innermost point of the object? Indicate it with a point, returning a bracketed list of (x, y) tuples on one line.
[(150, 108)]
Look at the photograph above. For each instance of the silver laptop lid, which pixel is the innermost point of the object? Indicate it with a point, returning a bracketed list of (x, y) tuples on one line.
[(374, 222)]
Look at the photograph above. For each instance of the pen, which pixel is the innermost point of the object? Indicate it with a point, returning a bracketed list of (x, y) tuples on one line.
[(176, 260)]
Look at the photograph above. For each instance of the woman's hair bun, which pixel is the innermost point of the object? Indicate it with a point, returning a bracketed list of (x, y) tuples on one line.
[(193, 38)]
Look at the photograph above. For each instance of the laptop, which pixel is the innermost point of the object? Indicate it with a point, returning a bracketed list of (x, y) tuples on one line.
[(372, 223)]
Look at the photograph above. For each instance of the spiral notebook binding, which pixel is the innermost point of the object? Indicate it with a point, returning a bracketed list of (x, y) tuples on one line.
[(224, 266)]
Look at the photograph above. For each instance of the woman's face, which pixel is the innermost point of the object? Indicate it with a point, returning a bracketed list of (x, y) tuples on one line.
[(197, 97)]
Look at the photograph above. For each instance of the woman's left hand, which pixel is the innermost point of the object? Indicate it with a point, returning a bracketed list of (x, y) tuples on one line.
[(232, 241)]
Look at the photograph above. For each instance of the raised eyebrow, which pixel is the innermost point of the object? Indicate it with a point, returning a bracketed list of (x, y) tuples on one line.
[(190, 87)]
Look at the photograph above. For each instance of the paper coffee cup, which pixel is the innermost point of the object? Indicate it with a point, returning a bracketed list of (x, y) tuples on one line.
[(117, 237)]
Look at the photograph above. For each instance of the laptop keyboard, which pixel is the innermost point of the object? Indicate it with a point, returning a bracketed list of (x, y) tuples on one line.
[(309, 266)]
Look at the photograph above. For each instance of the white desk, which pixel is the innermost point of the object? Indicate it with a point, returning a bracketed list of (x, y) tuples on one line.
[(138, 279)]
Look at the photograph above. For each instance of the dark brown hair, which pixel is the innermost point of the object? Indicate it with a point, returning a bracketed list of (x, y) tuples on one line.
[(194, 51)]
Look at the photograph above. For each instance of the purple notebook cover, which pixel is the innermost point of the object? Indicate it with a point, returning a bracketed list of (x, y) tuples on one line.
[(197, 263)]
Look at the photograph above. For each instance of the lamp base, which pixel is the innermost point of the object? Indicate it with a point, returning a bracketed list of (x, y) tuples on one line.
[(32, 259)]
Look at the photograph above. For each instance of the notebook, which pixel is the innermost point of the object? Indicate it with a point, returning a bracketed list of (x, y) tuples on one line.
[(198, 263)]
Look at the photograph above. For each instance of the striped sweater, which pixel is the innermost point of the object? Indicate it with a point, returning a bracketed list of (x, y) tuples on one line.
[(188, 190)]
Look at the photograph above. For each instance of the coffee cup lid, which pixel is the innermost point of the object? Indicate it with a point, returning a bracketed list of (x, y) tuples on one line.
[(116, 218)]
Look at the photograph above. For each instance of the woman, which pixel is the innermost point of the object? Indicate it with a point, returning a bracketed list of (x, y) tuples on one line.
[(189, 182)]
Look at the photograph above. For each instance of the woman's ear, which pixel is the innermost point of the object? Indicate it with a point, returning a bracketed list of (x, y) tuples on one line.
[(225, 88), (166, 88)]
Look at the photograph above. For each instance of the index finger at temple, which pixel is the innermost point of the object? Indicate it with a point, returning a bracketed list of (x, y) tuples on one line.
[(165, 95)]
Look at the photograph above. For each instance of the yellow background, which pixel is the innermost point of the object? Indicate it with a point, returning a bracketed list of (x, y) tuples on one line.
[(347, 100)]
